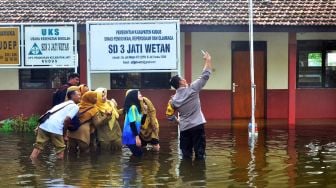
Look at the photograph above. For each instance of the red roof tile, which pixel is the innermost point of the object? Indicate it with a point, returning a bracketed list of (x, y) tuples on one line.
[(189, 12)]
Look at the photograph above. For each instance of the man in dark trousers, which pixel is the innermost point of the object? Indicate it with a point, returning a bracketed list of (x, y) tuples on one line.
[(59, 95), (186, 102)]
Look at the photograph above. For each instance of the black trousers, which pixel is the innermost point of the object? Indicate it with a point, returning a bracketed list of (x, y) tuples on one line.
[(193, 139)]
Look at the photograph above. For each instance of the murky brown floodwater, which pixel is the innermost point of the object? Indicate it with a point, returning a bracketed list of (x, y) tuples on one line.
[(304, 157)]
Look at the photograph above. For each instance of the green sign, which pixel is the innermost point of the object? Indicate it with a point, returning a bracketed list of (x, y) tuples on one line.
[(314, 59)]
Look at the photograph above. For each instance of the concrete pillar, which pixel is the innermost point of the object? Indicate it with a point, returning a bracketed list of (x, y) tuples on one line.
[(187, 58), (292, 58), (82, 58)]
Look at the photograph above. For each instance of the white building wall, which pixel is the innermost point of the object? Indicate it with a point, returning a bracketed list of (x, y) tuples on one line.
[(100, 80), (9, 79), (219, 45), (316, 36)]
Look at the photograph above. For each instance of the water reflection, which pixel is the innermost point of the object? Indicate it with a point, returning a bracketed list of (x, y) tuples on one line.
[(249, 157), (292, 157), (193, 172), (251, 167), (278, 157)]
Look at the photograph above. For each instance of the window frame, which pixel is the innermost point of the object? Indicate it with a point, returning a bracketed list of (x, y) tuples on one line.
[(64, 72), (323, 46), (141, 82)]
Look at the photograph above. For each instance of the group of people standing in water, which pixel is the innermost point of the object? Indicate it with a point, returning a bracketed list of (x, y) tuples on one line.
[(87, 121), (83, 121)]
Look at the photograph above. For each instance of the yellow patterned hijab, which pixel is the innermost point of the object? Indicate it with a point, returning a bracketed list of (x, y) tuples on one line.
[(103, 106), (114, 105)]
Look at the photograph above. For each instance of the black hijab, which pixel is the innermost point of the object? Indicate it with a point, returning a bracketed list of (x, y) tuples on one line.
[(132, 99)]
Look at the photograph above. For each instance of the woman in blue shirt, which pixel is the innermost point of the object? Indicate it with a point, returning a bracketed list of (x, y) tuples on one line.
[(132, 124)]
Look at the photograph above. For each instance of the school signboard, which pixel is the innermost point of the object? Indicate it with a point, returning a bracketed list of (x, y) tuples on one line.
[(133, 46), (9, 45), (50, 45)]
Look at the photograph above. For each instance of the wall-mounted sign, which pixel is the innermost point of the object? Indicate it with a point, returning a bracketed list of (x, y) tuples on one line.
[(49, 45), (9, 45), (133, 46)]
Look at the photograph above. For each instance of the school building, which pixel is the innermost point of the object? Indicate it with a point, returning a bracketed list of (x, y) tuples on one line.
[(295, 55)]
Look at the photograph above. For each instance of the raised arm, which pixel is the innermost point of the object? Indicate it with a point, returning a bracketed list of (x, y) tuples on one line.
[(198, 84), (207, 62)]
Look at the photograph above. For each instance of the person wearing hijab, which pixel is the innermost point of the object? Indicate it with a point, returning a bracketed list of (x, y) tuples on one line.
[(71, 88), (132, 123), (149, 133), (83, 88), (81, 138), (109, 132)]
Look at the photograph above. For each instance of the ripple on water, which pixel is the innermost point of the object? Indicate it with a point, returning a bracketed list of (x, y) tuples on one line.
[(305, 157)]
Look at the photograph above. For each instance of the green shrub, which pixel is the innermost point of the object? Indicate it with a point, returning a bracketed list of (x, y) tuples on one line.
[(7, 126), (20, 124), (32, 123)]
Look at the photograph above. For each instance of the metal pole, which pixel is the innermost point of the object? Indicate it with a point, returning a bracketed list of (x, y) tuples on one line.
[(253, 86), (88, 55)]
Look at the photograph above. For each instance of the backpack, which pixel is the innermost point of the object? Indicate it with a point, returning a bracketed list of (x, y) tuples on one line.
[(75, 122)]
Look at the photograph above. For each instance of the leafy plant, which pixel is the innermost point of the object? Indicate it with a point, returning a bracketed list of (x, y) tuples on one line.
[(32, 123), (20, 124), (7, 126)]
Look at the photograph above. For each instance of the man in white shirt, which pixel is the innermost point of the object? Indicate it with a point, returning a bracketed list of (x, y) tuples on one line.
[(52, 128)]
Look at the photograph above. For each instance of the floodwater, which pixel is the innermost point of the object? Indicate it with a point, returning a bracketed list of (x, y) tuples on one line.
[(280, 157)]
